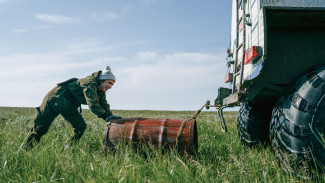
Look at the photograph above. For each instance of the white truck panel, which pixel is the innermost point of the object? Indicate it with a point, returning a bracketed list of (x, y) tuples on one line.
[(233, 27), (293, 3), (255, 24), (305, 17), (260, 15), (255, 32)]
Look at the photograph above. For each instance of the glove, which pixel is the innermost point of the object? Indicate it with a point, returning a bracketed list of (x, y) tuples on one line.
[(112, 117)]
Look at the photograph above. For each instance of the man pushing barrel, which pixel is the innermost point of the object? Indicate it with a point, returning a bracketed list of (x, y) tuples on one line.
[(67, 97)]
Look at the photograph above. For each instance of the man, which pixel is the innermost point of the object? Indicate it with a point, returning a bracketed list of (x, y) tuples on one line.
[(67, 97)]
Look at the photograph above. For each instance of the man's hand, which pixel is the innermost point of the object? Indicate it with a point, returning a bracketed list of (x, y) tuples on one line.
[(112, 117)]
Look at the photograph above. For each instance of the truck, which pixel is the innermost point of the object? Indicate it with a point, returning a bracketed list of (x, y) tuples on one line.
[(276, 74)]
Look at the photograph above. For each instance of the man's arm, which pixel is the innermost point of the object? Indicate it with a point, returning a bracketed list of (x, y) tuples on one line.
[(103, 103), (92, 100)]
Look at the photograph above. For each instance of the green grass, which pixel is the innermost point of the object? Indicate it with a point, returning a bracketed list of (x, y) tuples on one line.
[(220, 158)]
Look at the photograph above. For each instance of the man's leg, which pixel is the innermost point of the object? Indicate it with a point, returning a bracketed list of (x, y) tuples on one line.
[(42, 121), (79, 126)]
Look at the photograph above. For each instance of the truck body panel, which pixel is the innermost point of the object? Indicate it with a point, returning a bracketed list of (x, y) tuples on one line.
[(292, 3), (291, 37), (276, 61)]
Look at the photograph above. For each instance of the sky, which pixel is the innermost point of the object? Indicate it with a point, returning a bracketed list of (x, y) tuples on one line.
[(165, 54)]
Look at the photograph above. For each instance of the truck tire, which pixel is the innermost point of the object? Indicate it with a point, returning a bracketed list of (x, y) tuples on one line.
[(297, 125), (253, 122)]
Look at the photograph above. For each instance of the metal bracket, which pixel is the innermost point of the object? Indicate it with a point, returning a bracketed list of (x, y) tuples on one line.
[(221, 119)]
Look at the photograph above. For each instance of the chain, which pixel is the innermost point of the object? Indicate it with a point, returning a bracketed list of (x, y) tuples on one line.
[(181, 128)]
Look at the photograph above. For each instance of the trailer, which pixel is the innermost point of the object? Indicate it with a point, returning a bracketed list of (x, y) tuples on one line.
[(276, 72)]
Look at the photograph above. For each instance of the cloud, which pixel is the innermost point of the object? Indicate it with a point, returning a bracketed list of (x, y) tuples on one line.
[(29, 77), (83, 55), (180, 68), (194, 58), (58, 19), (111, 16), (43, 27), (48, 65), (171, 81), (86, 46), (106, 16), (178, 81), (19, 31), (4, 1), (146, 55)]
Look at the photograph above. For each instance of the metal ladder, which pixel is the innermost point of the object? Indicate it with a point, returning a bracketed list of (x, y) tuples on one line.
[(240, 71)]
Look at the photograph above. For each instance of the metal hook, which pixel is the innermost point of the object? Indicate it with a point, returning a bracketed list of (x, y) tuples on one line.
[(222, 120)]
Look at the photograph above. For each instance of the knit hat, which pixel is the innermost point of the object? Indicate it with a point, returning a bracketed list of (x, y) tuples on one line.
[(107, 74)]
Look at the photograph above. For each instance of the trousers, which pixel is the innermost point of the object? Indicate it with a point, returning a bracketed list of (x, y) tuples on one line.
[(57, 101)]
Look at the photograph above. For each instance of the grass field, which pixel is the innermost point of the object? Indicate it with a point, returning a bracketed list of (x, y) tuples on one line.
[(221, 157)]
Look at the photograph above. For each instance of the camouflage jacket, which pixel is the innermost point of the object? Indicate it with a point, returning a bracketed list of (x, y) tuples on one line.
[(86, 91)]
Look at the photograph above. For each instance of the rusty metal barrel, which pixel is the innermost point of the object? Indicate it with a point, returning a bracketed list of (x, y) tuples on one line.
[(161, 133)]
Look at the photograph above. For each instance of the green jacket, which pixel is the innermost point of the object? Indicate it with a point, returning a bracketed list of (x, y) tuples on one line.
[(86, 91)]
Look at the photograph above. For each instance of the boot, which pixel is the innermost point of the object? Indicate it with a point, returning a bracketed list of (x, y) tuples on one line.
[(31, 142)]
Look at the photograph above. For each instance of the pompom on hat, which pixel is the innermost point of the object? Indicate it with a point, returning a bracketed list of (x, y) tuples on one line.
[(107, 74)]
